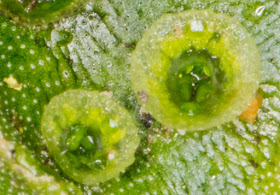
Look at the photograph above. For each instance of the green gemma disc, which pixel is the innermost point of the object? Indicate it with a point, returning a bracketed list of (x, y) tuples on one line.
[(40, 11), (90, 136), (195, 70)]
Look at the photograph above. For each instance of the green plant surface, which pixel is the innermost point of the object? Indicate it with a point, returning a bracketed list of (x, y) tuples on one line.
[(92, 51), (40, 11), (197, 69)]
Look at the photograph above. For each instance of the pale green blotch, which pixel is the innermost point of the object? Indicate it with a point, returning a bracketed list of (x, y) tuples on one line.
[(174, 44), (69, 115), (111, 133), (158, 65), (234, 76)]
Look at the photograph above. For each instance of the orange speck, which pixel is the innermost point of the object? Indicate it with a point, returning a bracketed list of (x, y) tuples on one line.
[(250, 114), (179, 32)]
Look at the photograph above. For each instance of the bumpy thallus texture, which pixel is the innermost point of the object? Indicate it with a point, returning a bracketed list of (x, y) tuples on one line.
[(40, 12), (91, 137), (195, 69), (235, 158)]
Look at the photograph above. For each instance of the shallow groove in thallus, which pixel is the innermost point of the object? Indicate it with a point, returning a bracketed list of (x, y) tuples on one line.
[(95, 56)]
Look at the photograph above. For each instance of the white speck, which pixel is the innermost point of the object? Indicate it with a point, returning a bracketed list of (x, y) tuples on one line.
[(14, 28), (66, 74), (272, 184), (111, 156), (251, 191), (3, 56), (131, 184), (4, 24), (150, 178), (263, 164), (31, 36), (24, 108), (37, 89), (22, 46), (269, 174), (113, 123), (197, 26), (57, 83), (121, 190), (182, 131), (265, 141), (140, 180), (98, 161), (24, 95), (32, 51), (48, 59), (6, 102), (266, 152), (35, 101), (41, 62), (48, 84), (13, 99), (32, 66), (18, 37), (10, 47), (266, 187), (9, 65), (1, 42), (21, 68), (28, 119), (259, 10)]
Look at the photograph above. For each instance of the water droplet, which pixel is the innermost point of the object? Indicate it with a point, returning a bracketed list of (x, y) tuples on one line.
[(259, 10)]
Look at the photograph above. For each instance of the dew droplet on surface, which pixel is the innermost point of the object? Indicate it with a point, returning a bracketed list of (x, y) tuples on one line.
[(259, 11)]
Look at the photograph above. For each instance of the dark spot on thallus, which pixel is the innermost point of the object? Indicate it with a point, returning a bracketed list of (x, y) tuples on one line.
[(32, 5), (37, 40), (17, 123), (45, 148), (226, 148), (13, 152), (254, 164), (146, 119), (257, 139), (130, 45)]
